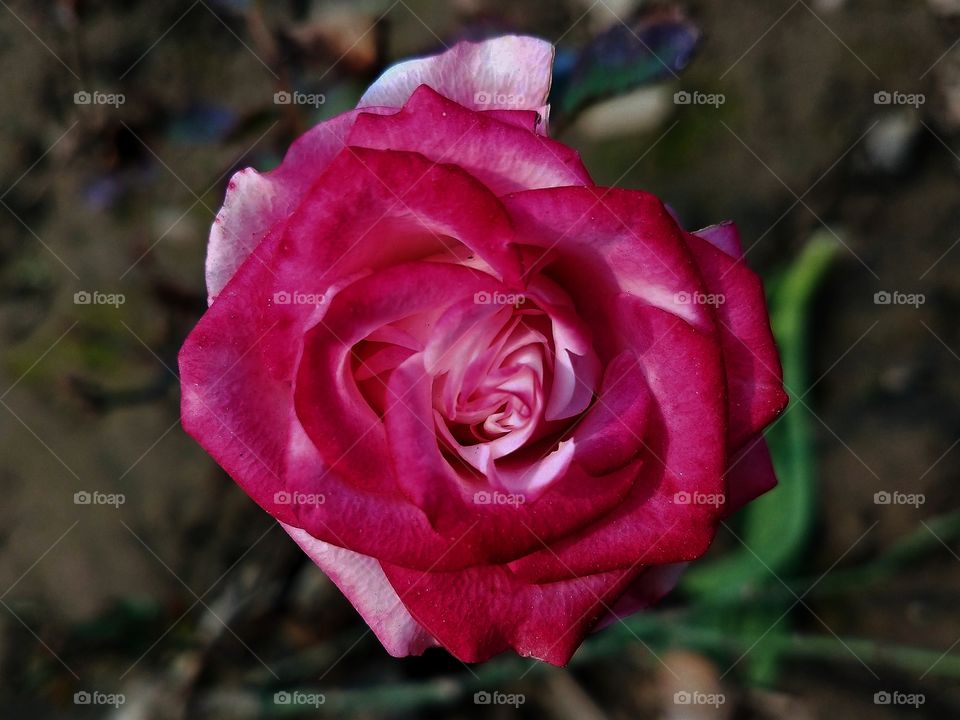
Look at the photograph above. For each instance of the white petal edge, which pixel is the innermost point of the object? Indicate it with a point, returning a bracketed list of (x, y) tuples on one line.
[(511, 72), (361, 579)]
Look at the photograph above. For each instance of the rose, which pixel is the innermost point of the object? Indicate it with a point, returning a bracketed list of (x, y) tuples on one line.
[(495, 475)]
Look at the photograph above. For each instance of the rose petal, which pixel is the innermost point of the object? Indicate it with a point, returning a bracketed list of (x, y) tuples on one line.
[(530, 120), (528, 479), (623, 259), (684, 452), (725, 236), (255, 202), (612, 432), (237, 403), (752, 364), (647, 590), (334, 414), (543, 621), (601, 243), (361, 579), (237, 366), (510, 72), (446, 132), (750, 474), (461, 508), (576, 367)]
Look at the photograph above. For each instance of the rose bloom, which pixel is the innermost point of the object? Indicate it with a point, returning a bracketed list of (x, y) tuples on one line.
[(497, 405)]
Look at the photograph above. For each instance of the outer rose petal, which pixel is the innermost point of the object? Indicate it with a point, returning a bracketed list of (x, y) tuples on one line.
[(255, 202), (754, 377), (240, 411), (750, 474), (361, 579), (532, 120), (647, 590), (511, 72), (481, 611), (607, 244), (725, 236), (504, 157)]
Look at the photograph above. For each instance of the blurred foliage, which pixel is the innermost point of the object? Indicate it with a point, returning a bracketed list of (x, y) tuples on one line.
[(654, 44)]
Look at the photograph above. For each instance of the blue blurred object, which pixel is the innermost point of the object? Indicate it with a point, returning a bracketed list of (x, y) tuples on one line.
[(201, 123), (653, 44)]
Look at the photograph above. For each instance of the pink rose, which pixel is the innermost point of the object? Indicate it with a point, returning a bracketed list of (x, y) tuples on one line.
[(498, 405)]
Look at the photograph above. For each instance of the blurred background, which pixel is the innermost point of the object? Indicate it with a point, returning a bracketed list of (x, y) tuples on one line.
[(138, 581)]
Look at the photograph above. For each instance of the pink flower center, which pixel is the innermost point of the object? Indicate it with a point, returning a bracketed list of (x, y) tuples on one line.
[(509, 373)]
